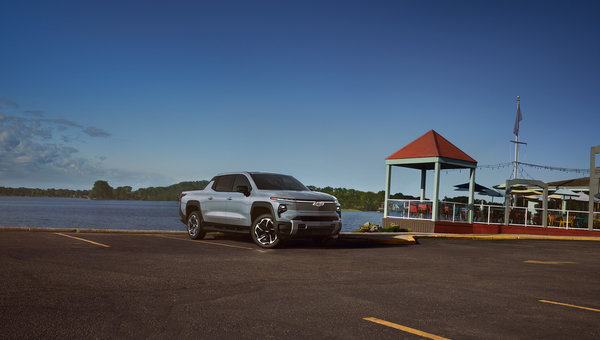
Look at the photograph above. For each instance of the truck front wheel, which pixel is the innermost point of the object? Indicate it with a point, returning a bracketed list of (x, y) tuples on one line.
[(194, 226), (263, 232)]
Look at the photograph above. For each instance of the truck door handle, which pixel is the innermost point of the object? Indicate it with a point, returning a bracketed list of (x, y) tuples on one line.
[(210, 198), (229, 198)]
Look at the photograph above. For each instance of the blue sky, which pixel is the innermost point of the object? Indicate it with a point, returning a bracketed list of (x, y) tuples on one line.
[(150, 93)]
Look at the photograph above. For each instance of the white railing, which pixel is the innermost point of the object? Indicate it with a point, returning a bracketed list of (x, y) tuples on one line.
[(571, 219), (490, 214), (410, 209)]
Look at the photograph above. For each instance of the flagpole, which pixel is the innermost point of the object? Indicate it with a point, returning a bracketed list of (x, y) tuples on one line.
[(516, 146)]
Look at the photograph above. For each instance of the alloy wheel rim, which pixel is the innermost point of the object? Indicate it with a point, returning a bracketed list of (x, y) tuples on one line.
[(264, 232), (193, 225)]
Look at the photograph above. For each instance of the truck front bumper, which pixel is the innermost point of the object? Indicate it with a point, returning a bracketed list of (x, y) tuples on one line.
[(299, 228)]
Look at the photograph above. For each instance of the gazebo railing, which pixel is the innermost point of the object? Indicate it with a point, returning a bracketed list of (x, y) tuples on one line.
[(410, 209), (490, 214)]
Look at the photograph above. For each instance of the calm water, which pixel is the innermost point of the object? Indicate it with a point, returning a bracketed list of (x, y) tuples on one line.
[(44, 212)]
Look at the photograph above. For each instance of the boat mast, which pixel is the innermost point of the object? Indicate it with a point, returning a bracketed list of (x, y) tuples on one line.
[(516, 141)]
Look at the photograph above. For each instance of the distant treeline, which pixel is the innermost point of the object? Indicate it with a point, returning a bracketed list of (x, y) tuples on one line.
[(348, 198), (359, 200), (103, 191), (43, 192)]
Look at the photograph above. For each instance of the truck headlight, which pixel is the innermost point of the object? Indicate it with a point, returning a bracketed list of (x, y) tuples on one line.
[(338, 210)]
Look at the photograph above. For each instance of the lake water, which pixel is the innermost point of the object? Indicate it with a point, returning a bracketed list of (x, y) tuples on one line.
[(46, 212)]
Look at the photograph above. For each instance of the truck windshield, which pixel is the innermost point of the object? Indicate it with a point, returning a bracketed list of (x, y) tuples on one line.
[(277, 182)]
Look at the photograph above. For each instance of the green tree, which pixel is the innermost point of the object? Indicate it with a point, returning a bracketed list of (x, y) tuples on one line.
[(101, 191), (122, 193)]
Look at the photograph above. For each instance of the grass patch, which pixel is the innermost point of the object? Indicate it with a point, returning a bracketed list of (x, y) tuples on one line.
[(395, 229), (371, 227)]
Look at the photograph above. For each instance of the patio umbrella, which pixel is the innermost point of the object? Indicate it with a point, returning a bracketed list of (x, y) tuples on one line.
[(525, 192), (583, 197), (564, 192), (502, 186), (491, 192), (480, 189)]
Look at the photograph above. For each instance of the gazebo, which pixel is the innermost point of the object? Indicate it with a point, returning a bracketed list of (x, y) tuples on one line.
[(431, 151)]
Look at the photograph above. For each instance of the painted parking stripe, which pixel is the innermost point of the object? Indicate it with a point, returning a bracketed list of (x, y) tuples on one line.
[(569, 305), (205, 242), (549, 262), (84, 240), (406, 329)]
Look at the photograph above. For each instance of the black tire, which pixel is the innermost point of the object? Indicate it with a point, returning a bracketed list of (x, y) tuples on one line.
[(263, 232), (194, 226)]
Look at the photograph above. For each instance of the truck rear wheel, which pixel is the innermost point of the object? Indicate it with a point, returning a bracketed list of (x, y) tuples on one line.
[(194, 226), (263, 232)]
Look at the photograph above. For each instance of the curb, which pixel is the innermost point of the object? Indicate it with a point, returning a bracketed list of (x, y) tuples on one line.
[(508, 237), (391, 238)]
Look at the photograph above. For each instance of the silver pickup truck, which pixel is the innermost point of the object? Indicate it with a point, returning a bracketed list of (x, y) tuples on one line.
[(270, 207)]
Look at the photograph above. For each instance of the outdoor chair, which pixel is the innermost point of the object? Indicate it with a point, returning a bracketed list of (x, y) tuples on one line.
[(571, 221), (446, 212), (422, 210), (413, 209), (562, 222)]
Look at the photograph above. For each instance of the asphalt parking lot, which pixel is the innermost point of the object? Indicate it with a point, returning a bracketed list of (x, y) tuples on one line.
[(76, 285)]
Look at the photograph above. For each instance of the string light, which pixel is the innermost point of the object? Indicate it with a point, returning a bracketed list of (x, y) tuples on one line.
[(535, 166)]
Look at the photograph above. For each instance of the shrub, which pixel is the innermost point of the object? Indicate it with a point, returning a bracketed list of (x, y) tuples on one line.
[(367, 227), (394, 228)]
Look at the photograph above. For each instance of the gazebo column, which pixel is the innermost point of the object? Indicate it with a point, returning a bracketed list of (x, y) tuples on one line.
[(436, 192), (507, 201), (545, 207), (471, 195), (423, 179), (388, 179)]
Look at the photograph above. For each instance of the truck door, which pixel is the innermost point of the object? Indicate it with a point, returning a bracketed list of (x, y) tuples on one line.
[(217, 200), (239, 204)]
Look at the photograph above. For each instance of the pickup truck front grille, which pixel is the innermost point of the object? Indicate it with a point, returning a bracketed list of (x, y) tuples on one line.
[(309, 205)]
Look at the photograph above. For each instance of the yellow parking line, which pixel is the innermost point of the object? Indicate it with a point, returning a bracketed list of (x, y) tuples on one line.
[(549, 262), (406, 329), (84, 240), (568, 305), (205, 242)]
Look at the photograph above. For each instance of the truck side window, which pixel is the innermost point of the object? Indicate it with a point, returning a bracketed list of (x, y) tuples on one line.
[(241, 180), (224, 183)]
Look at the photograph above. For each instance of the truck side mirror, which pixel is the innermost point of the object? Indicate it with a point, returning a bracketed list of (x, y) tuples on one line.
[(243, 189)]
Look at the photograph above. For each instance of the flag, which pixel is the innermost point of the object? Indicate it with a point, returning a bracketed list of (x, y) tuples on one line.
[(518, 119)]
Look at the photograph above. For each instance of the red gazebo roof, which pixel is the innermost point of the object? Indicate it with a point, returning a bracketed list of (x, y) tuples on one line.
[(431, 144)]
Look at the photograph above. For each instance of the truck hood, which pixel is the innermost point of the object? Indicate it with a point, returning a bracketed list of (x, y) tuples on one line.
[(303, 195)]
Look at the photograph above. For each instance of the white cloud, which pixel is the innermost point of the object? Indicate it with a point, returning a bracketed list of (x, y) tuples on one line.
[(96, 132), (30, 154)]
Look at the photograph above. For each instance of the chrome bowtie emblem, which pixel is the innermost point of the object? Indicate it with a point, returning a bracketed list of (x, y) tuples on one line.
[(319, 204)]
